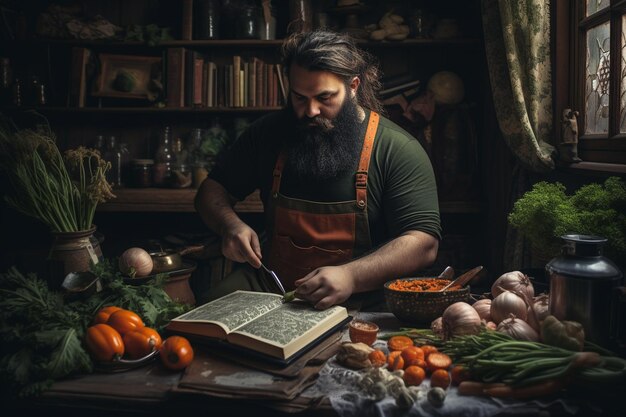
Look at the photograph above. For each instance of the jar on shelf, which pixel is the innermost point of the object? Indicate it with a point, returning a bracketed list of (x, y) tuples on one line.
[(141, 172), (164, 158), (247, 23), (208, 19), (181, 176)]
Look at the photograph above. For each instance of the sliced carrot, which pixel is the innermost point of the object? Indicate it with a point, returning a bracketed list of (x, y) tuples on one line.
[(438, 360), (395, 361), (399, 342)]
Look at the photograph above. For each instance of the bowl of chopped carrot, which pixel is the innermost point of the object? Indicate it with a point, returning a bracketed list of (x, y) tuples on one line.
[(419, 301)]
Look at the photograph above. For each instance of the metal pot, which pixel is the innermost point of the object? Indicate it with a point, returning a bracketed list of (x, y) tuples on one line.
[(171, 259), (584, 287)]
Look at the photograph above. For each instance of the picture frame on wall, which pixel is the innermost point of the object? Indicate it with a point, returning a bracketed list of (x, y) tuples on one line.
[(128, 76)]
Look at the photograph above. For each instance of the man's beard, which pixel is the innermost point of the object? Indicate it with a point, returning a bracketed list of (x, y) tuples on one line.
[(325, 148)]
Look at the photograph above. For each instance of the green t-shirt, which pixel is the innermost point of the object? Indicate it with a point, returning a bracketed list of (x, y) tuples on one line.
[(401, 189)]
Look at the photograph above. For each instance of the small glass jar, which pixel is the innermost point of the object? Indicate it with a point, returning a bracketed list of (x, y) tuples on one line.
[(247, 23), (181, 176), (142, 172)]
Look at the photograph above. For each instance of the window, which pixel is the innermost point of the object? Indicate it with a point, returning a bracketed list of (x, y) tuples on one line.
[(593, 32)]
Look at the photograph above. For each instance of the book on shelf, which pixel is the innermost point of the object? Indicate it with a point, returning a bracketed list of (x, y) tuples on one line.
[(186, 32), (175, 77), (78, 77), (260, 324)]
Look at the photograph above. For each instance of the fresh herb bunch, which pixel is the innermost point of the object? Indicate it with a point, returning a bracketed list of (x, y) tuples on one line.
[(61, 192), (43, 335), (546, 212)]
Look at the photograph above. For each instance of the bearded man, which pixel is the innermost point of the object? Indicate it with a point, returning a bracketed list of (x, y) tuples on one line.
[(350, 199)]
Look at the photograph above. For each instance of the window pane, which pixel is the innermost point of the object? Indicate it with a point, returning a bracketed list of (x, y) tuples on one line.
[(595, 5), (598, 72), (622, 110)]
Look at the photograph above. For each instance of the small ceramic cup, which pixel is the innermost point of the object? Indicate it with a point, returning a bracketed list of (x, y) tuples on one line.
[(363, 331)]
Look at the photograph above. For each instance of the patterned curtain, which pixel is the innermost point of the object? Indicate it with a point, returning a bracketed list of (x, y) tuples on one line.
[(517, 43)]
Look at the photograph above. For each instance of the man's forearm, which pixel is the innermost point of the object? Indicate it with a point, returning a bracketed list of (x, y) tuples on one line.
[(215, 206), (400, 257)]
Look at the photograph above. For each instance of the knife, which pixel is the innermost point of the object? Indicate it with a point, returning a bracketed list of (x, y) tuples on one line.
[(276, 280)]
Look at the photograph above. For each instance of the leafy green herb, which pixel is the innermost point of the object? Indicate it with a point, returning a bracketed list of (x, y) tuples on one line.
[(546, 212), (42, 334)]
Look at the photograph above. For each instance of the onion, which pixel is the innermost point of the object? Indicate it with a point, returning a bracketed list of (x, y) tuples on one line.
[(518, 329), (135, 262), (460, 319), (514, 281), (483, 307), (506, 304)]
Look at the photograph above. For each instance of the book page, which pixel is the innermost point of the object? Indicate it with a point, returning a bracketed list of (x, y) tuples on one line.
[(234, 310), (289, 322)]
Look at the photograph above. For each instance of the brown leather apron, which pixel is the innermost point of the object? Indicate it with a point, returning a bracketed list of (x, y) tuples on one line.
[(305, 235)]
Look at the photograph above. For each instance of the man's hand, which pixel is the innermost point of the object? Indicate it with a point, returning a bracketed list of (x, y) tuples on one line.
[(326, 286), (240, 243)]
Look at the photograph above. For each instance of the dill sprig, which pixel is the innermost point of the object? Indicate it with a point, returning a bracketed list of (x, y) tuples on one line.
[(61, 192)]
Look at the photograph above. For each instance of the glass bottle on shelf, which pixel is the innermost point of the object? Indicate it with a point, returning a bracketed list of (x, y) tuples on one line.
[(163, 160), (181, 174), (110, 155), (6, 81), (208, 16), (123, 161)]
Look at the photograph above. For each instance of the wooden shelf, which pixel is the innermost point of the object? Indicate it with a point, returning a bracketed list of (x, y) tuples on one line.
[(223, 43), (141, 110), (167, 200), (181, 200)]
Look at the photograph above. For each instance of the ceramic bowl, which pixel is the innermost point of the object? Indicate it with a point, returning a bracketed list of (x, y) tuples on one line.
[(421, 307), (363, 331)]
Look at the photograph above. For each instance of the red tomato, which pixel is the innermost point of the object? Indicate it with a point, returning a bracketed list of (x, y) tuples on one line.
[(176, 353), (139, 343)]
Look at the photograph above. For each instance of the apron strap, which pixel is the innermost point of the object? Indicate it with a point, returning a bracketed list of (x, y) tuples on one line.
[(364, 162)]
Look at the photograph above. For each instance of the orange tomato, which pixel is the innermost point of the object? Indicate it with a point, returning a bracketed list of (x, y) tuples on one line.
[(377, 358), (395, 361), (399, 342), (139, 343), (104, 342), (440, 378), (125, 321), (414, 375), (412, 355), (176, 353), (460, 373), (428, 349), (102, 316)]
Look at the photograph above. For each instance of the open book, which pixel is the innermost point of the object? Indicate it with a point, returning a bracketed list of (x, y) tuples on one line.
[(262, 323)]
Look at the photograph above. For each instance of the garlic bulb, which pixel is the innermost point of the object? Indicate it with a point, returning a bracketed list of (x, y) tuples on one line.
[(506, 304), (514, 281), (437, 326), (460, 319), (483, 307), (518, 329)]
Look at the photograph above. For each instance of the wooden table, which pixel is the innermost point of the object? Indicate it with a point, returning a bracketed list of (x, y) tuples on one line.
[(153, 391)]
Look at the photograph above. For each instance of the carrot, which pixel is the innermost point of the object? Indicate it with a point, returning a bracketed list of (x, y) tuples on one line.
[(541, 389), (476, 388), (438, 360)]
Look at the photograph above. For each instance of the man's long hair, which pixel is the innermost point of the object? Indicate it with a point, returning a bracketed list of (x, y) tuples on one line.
[(336, 53)]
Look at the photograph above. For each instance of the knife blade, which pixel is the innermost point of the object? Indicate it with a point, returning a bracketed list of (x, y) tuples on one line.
[(276, 280)]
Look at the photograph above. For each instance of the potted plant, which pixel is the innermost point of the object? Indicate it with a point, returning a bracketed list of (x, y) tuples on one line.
[(547, 212), (62, 191)]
